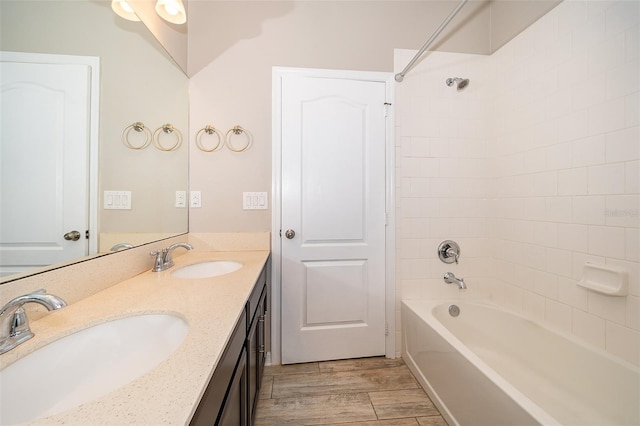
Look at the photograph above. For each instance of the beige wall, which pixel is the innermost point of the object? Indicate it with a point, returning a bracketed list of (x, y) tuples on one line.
[(173, 37), (233, 46), (139, 82)]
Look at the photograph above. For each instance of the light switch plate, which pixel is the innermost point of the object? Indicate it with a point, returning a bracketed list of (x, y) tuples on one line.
[(196, 199), (181, 199), (117, 200), (255, 201)]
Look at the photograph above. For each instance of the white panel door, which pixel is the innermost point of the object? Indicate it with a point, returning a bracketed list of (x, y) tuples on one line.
[(44, 152), (333, 200)]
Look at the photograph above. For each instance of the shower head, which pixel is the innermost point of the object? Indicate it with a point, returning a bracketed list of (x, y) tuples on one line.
[(460, 83)]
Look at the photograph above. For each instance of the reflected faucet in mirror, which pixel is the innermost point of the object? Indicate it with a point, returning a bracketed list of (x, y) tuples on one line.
[(14, 323), (121, 246)]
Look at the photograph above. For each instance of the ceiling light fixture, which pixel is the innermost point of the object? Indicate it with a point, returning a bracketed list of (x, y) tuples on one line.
[(171, 11), (122, 9)]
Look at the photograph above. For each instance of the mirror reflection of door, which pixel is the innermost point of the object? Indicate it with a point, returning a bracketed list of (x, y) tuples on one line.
[(44, 159)]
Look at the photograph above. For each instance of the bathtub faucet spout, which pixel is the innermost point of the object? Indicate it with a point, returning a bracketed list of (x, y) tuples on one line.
[(450, 278)]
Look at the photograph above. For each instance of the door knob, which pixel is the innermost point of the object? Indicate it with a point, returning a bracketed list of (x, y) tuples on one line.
[(289, 233), (72, 236)]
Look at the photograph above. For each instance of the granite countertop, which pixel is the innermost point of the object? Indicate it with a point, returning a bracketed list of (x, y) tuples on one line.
[(168, 394)]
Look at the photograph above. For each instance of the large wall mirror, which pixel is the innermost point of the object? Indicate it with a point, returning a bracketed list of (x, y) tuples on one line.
[(139, 82)]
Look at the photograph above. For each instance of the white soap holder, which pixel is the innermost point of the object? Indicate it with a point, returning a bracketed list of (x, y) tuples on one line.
[(605, 279)]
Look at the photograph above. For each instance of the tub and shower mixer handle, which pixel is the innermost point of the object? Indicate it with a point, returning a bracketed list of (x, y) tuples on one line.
[(452, 253), (449, 251)]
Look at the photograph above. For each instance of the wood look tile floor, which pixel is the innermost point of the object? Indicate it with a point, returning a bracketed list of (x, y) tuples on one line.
[(359, 392)]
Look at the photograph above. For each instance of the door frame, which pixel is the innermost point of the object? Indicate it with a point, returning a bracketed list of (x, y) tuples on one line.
[(276, 184), (93, 62)]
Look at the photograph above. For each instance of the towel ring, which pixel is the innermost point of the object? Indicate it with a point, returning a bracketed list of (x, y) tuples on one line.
[(209, 130), (167, 129), (138, 127), (236, 131)]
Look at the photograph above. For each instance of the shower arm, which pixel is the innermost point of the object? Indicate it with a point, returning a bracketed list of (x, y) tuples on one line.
[(400, 76)]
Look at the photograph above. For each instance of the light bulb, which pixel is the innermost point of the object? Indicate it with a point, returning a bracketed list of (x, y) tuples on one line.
[(124, 10), (125, 6), (171, 11)]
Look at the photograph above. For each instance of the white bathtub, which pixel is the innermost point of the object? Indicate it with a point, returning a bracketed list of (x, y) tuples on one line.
[(488, 366)]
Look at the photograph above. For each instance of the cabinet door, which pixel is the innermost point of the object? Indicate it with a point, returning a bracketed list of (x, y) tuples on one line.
[(252, 366), (261, 338), (234, 411), (215, 396), (256, 354)]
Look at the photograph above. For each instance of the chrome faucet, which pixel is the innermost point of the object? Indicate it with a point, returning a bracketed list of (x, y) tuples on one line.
[(121, 246), (163, 259), (450, 278), (14, 324)]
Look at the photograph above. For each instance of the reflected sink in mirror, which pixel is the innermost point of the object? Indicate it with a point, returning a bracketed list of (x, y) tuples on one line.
[(213, 268), (86, 365)]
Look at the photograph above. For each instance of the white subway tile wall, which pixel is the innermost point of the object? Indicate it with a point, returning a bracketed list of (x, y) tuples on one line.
[(533, 169)]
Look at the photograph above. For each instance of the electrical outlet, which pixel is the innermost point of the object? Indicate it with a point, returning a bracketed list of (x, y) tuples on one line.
[(196, 199), (181, 199)]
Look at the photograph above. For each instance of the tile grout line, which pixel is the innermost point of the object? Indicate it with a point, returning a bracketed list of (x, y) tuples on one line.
[(373, 406)]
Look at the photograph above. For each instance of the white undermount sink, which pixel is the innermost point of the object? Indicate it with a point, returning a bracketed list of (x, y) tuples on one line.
[(86, 365), (213, 268)]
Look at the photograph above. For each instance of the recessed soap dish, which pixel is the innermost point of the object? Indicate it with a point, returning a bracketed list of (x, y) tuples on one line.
[(605, 279)]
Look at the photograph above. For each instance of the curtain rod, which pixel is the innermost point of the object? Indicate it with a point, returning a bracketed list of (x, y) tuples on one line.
[(400, 76)]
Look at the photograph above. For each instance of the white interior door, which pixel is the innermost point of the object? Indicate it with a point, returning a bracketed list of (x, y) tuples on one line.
[(333, 200), (44, 156)]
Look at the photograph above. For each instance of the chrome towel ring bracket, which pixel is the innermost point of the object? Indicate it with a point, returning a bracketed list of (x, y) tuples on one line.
[(139, 127), (449, 251), (237, 130), (167, 129), (209, 130)]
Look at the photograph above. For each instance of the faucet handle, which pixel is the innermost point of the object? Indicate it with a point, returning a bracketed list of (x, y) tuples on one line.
[(158, 263), (449, 251), (452, 253)]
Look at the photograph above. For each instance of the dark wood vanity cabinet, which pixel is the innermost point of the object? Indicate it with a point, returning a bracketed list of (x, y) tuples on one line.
[(235, 409), (232, 394), (256, 350), (227, 388)]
